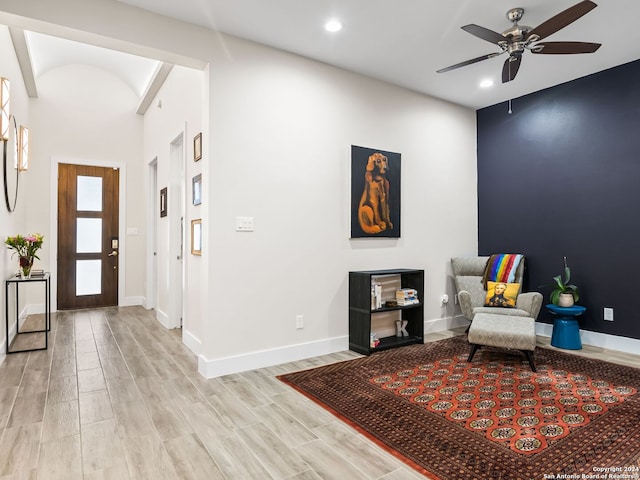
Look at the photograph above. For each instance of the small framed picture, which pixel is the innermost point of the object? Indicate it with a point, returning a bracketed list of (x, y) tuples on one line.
[(196, 185), (196, 237), (163, 202), (197, 147)]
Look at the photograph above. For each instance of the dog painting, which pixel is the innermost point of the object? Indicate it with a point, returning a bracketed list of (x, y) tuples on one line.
[(375, 193)]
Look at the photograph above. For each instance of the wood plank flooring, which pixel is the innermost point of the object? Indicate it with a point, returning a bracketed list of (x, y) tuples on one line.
[(117, 396)]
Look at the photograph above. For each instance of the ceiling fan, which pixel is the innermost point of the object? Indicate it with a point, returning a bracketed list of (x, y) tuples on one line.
[(519, 38)]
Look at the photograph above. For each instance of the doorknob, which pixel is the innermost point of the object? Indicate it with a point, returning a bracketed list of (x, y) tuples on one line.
[(113, 254)]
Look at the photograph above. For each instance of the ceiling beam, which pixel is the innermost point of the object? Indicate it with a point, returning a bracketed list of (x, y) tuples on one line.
[(24, 60), (158, 79)]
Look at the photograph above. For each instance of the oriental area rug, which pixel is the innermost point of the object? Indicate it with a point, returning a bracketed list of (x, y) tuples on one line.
[(490, 419)]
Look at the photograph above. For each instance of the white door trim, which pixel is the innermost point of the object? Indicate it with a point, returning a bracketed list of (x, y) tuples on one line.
[(153, 211), (53, 224)]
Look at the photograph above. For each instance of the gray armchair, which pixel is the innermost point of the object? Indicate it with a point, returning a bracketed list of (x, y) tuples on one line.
[(468, 273)]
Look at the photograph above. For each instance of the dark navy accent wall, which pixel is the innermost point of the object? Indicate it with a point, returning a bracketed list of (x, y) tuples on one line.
[(561, 176)]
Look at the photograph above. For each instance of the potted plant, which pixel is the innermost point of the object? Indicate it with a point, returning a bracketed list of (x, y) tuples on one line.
[(26, 247), (564, 294)]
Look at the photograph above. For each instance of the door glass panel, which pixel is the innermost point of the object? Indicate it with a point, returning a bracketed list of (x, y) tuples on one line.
[(89, 197), (89, 235), (88, 275)]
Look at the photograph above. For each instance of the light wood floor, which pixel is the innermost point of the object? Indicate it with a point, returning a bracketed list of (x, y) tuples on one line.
[(117, 396)]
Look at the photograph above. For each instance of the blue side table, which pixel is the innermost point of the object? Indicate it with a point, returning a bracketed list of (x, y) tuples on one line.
[(566, 331)]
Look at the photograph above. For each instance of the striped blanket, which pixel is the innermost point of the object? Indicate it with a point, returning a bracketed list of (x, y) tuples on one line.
[(501, 267)]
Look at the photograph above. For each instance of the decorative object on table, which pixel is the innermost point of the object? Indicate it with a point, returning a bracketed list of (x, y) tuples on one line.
[(163, 202), (375, 193), (197, 147), (450, 419), (26, 247), (564, 294)]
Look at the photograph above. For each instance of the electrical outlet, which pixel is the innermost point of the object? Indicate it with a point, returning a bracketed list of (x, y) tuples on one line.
[(299, 322), (608, 314), (444, 299)]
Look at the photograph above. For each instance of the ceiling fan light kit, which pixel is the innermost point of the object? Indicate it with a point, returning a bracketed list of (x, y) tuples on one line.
[(519, 38)]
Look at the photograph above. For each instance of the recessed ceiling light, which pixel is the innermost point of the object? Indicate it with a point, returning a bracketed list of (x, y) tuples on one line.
[(333, 26), (486, 83)]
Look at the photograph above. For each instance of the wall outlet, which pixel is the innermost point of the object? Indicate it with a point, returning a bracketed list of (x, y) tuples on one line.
[(444, 299), (608, 314), (299, 322)]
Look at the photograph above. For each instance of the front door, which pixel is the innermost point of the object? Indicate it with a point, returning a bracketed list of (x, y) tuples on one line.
[(88, 240)]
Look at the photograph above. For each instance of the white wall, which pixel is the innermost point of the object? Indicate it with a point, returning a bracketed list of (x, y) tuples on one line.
[(15, 222), (277, 131), (85, 114), (280, 136), (177, 109)]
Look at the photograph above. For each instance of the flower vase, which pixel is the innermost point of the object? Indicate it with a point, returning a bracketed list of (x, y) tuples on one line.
[(25, 267)]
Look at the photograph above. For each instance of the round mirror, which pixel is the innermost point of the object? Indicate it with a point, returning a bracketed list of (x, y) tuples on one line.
[(10, 165)]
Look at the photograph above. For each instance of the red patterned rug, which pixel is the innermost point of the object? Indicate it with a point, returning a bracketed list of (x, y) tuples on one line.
[(491, 419)]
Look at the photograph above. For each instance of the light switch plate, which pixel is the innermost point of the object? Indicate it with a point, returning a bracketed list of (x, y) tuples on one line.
[(244, 224)]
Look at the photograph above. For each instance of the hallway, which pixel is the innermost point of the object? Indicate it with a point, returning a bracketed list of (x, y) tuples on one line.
[(117, 396)]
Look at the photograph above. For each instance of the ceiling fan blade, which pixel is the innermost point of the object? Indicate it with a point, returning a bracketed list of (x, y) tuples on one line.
[(562, 19), (468, 62), (510, 68), (561, 48), (484, 33)]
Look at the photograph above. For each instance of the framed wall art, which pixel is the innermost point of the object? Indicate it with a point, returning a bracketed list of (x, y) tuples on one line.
[(375, 193), (196, 236), (196, 187), (163, 202), (197, 147)]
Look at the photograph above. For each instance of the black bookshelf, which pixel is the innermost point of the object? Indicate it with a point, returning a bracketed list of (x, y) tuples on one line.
[(360, 311)]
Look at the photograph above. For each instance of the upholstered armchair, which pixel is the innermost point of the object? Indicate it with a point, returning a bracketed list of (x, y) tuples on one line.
[(468, 273)]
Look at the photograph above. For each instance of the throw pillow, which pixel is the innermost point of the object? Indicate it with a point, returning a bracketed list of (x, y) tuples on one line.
[(501, 294)]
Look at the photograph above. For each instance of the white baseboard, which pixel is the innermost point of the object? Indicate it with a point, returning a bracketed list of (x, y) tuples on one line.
[(597, 339), (12, 329), (217, 367), (132, 301), (163, 318), (192, 342), (445, 323)]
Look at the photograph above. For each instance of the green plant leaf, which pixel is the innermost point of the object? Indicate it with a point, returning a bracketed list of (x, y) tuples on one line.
[(558, 281)]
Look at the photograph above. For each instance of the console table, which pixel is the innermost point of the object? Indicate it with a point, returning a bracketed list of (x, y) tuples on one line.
[(17, 281), (566, 331)]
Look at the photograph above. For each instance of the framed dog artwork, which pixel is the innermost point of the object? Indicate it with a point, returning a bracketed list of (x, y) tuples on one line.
[(375, 193)]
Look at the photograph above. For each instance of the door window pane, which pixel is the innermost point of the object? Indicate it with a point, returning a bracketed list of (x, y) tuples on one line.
[(88, 277), (89, 197), (89, 235)]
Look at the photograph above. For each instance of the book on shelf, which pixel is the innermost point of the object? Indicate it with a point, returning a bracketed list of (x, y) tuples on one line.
[(407, 296)]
